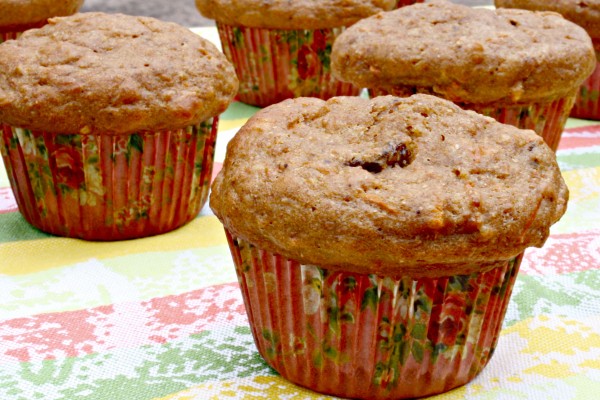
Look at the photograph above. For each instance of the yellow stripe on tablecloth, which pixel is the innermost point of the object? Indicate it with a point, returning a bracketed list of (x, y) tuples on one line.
[(252, 388), (535, 358), (275, 387), (226, 124), (37, 255)]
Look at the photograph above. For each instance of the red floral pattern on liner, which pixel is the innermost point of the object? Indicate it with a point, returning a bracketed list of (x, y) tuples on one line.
[(110, 187), (274, 65), (367, 336), (10, 32), (4, 36), (402, 3), (548, 119)]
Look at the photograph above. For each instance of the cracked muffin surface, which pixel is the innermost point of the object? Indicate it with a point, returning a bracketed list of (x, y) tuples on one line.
[(584, 13), (112, 73), (388, 185), (21, 13), (291, 14), (466, 54)]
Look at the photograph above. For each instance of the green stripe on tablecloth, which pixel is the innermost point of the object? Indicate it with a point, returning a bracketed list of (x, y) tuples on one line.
[(573, 294), (578, 158), (149, 371), (238, 110), (16, 228), (576, 123), (135, 277)]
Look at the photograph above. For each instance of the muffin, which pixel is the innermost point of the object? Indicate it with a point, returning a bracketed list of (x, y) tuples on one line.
[(109, 124), (520, 67), (587, 15), (282, 50), (377, 241), (16, 16)]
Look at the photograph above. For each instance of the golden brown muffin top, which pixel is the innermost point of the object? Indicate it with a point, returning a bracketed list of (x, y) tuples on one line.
[(17, 13), (584, 13), (390, 185), (113, 74), (291, 14), (466, 54)]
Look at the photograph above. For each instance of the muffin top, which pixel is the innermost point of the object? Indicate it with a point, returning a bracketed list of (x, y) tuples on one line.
[(21, 13), (389, 185), (291, 14), (95, 72), (583, 13), (465, 54)]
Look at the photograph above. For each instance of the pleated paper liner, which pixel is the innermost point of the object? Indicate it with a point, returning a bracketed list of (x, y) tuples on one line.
[(547, 119), (402, 3), (367, 336), (13, 32), (587, 104), (4, 36), (273, 65), (107, 186)]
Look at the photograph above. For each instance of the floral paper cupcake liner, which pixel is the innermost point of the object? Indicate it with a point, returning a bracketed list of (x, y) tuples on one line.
[(547, 119), (16, 31), (368, 336), (109, 186), (587, 104), (402, 3), (4, 36), (273, 65)]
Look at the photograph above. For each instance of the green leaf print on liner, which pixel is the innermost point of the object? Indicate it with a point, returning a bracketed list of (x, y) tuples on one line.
[(238, 38), (273, 339), (587, 94), (370, 299), (135, 142)]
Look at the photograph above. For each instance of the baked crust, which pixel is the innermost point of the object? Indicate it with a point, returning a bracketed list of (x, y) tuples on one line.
[(16, 13), (390, 185), (112, 73), (291, 14), (584, 13), (465, 54)]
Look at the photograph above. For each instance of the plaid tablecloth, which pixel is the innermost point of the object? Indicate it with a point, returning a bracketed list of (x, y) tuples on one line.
[(163, 318)]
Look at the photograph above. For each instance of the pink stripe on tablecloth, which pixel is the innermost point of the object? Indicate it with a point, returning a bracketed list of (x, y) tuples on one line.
[(127, 325), (7, 201), (584, 136), (565, 253)]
